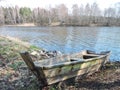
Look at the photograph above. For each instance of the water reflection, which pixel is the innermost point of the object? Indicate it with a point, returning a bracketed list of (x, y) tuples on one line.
[(69, 39)]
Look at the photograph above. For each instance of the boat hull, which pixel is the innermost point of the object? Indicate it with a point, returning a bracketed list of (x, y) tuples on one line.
[(61, 68), (62, 73)]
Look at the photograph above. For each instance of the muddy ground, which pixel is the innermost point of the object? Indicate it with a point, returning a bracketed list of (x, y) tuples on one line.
[(14, 74)]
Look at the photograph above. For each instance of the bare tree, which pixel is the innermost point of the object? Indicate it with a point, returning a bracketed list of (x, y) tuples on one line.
[(35, 15), (81, 14), (87, 12), (41, 16), (1, 16), (75, 14), (81, 10), (8, 15), (54, 15), (117, 6), (95, 13), (62, 12), (17, 10), (109, 15)]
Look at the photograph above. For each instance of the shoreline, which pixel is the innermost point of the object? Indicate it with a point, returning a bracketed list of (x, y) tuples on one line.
[(16, 40), (28, 45), (57, 24), (24, 24)]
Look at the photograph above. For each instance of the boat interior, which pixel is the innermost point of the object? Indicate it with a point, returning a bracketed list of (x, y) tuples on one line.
[(64, 60)]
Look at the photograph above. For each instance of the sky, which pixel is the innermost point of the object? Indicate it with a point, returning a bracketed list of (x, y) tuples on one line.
[(46, 3)]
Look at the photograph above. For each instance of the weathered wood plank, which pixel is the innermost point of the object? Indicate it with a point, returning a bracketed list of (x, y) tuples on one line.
[(38, 72), (72, 74)]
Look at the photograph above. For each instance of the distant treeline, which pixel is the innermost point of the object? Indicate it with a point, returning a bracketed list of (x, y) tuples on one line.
[(83, 15)]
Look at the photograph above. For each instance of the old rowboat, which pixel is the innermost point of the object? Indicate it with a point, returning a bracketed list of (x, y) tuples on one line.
[(53, 70)]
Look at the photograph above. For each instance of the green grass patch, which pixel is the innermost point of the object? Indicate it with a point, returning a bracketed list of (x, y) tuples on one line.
[(16, 65), (32, 47)]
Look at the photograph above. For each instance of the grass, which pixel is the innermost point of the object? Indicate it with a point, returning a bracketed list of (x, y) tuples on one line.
[(32, 47), (16, 65), (9, 50)]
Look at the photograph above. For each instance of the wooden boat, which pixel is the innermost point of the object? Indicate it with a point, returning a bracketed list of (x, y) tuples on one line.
[(53, 70)]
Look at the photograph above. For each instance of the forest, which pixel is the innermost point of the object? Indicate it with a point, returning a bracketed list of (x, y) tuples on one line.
[(83, 15)]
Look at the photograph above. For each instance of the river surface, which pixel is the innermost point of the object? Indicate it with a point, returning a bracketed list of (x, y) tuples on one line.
[(70, 39)]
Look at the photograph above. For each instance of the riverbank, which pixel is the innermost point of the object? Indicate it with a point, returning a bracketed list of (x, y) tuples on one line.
[(55, 24), (23, 24), (14, 74)]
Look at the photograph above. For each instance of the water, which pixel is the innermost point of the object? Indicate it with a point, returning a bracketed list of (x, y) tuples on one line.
[(70, 39)]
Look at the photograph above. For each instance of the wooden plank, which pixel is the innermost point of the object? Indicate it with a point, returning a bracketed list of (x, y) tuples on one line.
[(28, 60), (37, 71), (71, 74), (68, 68)]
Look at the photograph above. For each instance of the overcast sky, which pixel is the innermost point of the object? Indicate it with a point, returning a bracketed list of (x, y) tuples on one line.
[(46, 3)]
